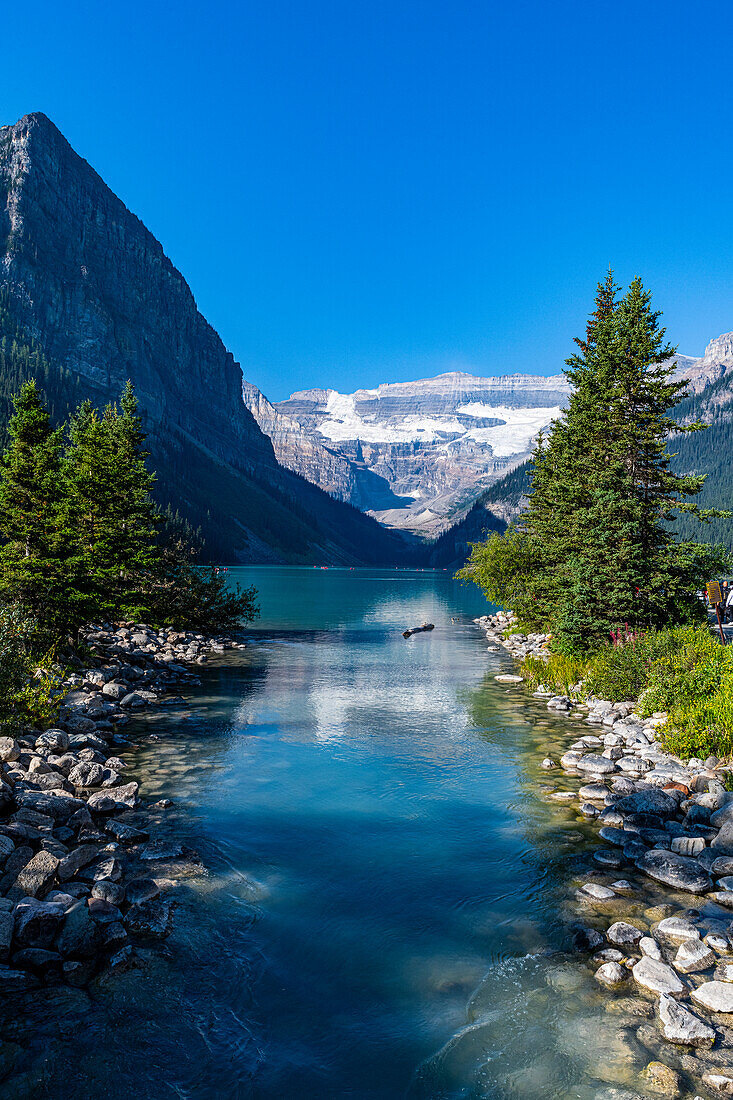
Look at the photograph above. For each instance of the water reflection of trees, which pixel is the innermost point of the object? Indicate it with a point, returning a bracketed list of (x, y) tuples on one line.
[(520, 728)]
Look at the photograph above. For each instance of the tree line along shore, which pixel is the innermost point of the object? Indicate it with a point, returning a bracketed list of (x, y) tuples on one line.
[(593, 560), (609, 632)]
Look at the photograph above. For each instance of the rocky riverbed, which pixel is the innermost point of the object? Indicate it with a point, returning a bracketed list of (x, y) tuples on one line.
[(654, 910), (82, 876)]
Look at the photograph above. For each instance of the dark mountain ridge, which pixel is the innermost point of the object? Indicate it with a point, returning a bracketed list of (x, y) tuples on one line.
[(84, 281)]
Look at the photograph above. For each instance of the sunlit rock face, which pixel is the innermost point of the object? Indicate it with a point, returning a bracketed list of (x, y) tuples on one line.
[(417, 454), (712, 366), (433, 444)]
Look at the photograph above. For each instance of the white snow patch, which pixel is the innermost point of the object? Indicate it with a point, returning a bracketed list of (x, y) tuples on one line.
[(513, 436), (518, 430)]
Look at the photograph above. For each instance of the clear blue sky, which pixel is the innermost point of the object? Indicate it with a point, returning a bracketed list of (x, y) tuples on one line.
[(370, 190)]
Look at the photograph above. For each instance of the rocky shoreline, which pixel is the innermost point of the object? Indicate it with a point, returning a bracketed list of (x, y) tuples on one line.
[(654, 912), (80, 882)]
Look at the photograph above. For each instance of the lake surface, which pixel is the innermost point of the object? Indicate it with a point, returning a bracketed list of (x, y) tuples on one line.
[(380, 914)]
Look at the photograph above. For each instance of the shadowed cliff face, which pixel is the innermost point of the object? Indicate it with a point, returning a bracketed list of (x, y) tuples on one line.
[(83, 277), (95, 287)]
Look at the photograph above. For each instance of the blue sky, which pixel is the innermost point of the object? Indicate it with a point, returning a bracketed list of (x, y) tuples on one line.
[(369, 190)]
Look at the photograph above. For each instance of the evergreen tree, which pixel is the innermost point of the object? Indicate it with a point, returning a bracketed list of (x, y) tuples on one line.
[(35, 547), (80, 529), (109, 505), (594, 548)]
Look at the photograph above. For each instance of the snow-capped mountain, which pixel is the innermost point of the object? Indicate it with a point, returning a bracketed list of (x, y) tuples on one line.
[(411, 453), (417, 454)]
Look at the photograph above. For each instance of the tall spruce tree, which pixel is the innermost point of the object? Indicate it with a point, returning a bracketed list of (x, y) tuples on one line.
[(35, 544), (108, 503), (594, 549)]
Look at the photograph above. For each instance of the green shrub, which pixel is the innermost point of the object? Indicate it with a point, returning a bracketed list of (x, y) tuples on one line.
[(684, 671), (27, 693), (560, 672), (694, 686), (622, 672)]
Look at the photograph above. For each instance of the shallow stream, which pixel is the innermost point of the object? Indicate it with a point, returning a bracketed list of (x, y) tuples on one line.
[(380, 914)]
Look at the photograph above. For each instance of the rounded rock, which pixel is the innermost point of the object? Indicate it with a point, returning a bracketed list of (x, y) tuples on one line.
[(611, 974)]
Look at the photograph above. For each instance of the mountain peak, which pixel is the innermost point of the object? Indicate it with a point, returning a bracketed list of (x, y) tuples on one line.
[(720, 348), (35, 124)]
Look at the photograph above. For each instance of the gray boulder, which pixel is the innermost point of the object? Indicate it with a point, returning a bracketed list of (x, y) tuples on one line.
[(682, 1026), (114, 799), (652, 801), (722, 844), (79, 936), (679, 872), (70, 865), (86, 774), (9, 749), (57, 804), (714, 996), (53, 741), (36, 923), (36, 877)]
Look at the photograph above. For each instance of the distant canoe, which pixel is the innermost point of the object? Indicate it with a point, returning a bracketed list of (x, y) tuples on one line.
[(418, 629)]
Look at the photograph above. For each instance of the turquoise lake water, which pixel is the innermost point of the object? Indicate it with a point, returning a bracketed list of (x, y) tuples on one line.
[(379, 914)]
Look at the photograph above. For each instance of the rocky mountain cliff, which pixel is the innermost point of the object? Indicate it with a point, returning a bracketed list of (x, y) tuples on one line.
[(434, 444), (713, 365), (304, 452), (82, 278)]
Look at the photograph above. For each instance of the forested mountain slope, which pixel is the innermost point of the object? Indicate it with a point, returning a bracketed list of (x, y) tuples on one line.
[(709, 452)]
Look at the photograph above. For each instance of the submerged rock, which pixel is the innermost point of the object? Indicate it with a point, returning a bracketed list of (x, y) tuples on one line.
[(623, 934), (149, 918), (611, 974)]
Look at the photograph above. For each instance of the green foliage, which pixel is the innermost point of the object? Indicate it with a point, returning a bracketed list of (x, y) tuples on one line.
[(199, 597), (503, 568), (37, 701), (32, 557), (110, 515), (27, 692), (561, 673), (620, 672), (79, 527), (684, 672), (695, 686), (593, 550)]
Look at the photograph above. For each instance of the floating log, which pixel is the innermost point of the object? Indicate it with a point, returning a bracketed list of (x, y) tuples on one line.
[(418, 629)]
